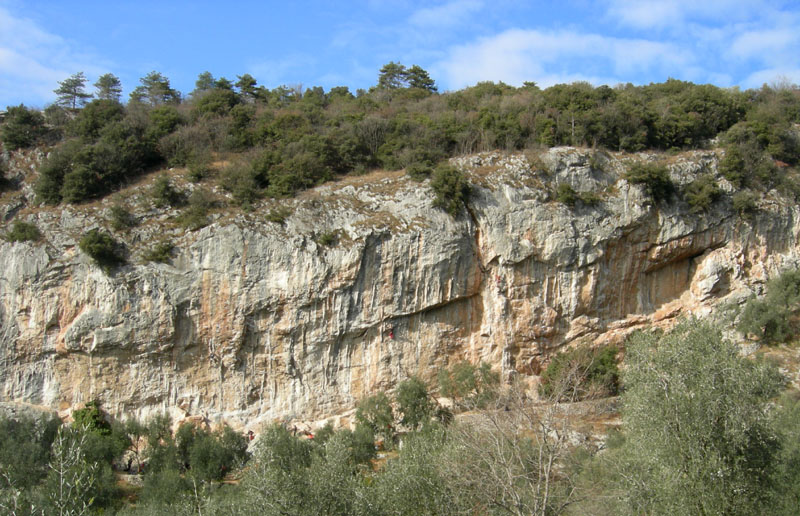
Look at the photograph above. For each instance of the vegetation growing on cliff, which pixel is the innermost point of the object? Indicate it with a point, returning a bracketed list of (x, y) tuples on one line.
[(289, 139)]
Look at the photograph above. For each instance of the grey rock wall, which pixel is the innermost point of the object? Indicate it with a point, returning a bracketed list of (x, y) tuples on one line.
[(255, 321)]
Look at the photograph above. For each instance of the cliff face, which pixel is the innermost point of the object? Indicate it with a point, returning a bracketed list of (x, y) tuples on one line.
[(254, 320)]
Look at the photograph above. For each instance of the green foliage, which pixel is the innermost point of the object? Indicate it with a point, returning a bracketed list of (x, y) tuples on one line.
[(744, 202), (162, 452), (121, 217), (328, 238), (242, 181), (419, 171), (216, 102), (164, 194), (469, 385), (565, 194), (732, 166), (414, 403), (786, 481), (375, 412), (451, 189), (23, 232), (108, 87), (702, 193), (22, 128), (155, 90), (91, 419), (195, 215), (163, 121), (581, 373), (161, 253), (654, 177), (102, 248), (394, 75), (210, 455), (94, 117), (278, 215), (416, 482), (278, 448), (5, 184), (72, 91), (25, 449), (199, 168), (165, 490), (776, 317), (79, 170), (73, 482), (695, 413), (361, 443)]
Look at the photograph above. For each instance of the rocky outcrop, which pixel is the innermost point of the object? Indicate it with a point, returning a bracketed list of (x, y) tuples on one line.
[(255, 321)]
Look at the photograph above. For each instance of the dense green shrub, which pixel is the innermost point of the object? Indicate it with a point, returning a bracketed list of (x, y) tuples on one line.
[(161, 253), (91, 418), (419, 171), (164, 193), (23, 232), (79, 170), (199, 168), (702, 193), (210, 455), (450, 188), (278, 215), (744, 202), (696, 417), (102, 248), (52, 171), (163, 120), (565, 194), (121, 217), (654, 177), (22, 127), (414, 403), (4, 182), (375, 412), (776, 317), (242, 181), (327, 238), (195, 215), (581, 373), (25, 449), (94, 116), (469, 385), (732, 166)]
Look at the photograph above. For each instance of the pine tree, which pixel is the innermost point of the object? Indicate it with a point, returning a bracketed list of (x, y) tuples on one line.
[(72, 91), (108, 87)]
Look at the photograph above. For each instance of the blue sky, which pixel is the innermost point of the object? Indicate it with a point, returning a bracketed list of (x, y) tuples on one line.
[(460, 42)]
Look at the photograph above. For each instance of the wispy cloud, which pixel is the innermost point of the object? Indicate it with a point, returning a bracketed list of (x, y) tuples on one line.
[(772, 75), (769, 44), (549, 57), (676, 14), (32, 60)]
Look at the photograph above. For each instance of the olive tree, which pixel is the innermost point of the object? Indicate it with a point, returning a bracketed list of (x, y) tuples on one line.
[(698, 433)]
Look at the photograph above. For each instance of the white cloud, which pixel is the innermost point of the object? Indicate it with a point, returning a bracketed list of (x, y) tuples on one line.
[(446, 15), (772, 76), (675, 14), (767, 44), (547, 58), (32, 60)]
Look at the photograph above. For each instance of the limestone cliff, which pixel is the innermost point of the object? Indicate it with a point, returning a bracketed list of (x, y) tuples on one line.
[(254, 320)]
